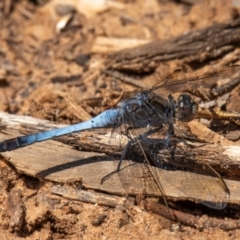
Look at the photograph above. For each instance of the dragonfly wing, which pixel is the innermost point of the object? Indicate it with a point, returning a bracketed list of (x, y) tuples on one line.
[(138, 175), (179, 82), (199, 182)]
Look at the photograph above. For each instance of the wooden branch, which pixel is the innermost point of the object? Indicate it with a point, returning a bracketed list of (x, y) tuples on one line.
[(199, 45), (87, 196), (59, 162), (192, 220)]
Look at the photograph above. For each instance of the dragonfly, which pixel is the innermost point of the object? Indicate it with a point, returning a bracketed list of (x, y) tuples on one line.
[(145, 115)]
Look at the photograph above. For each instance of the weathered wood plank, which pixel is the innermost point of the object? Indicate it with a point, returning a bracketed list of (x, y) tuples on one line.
[(59, 162)]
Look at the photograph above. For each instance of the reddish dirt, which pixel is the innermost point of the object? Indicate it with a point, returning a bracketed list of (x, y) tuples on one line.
[(40, 75)]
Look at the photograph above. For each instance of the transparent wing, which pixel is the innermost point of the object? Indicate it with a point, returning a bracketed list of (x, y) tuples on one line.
[(156, 146), (139, 120), (181, 82), (198, 181), (137, 174)]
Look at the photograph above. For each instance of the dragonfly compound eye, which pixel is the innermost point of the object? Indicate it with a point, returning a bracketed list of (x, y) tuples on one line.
[(186, 108)]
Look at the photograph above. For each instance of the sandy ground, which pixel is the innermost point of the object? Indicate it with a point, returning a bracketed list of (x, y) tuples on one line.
[(41, 69)]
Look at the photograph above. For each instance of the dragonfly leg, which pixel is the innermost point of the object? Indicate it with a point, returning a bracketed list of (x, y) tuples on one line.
[(130, 142), (108, 176), (119, 164)]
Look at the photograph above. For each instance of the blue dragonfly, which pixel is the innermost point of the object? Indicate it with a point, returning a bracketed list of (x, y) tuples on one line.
[(142, 116)]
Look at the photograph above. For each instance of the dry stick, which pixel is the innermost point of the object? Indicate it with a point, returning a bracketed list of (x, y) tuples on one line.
[(199, 45), (191, 220)]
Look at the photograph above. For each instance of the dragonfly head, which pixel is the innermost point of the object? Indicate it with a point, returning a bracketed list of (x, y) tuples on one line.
[(186, 108)]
